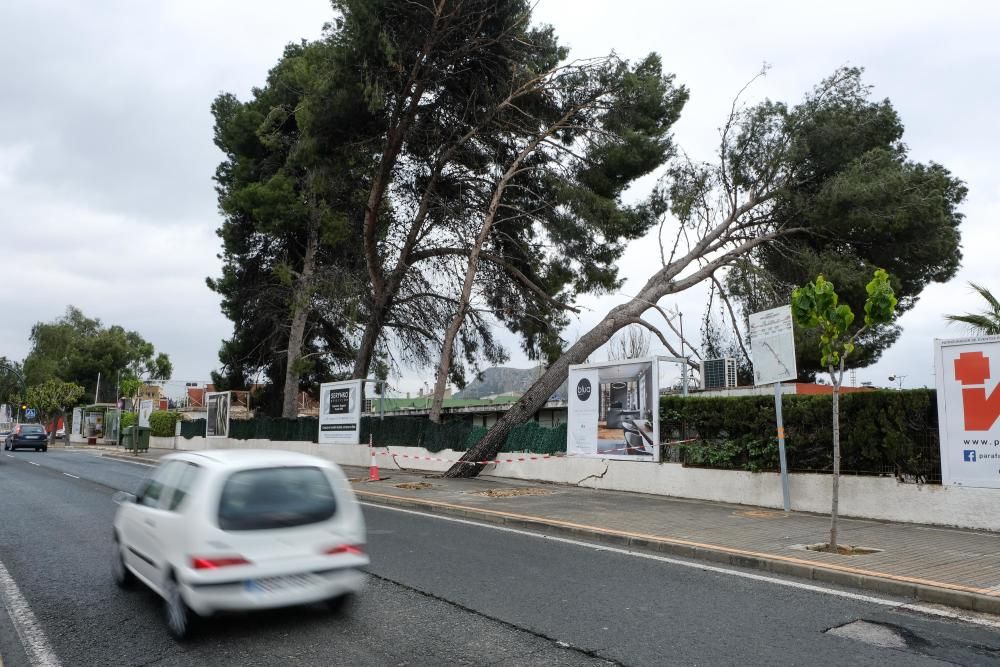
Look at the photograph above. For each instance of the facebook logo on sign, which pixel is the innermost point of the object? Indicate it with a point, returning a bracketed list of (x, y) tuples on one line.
[(969, 455)]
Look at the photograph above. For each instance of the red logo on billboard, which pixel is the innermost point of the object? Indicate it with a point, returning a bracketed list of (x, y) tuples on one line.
[(981, 410)]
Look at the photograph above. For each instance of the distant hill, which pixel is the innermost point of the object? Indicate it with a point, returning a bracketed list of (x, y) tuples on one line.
[(503, 381)]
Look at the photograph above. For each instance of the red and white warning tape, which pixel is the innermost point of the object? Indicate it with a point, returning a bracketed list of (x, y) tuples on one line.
[(519, 459), (434, 458)]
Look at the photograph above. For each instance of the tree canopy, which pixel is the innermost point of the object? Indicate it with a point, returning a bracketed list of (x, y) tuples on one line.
[(287, 246), (400, 121), (860, 203), (75, 348)]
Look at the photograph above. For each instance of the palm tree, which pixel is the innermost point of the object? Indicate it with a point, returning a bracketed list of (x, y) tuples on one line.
[(985, 323)]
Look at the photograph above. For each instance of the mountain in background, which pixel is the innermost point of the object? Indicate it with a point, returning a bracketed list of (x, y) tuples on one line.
[(494, 381)]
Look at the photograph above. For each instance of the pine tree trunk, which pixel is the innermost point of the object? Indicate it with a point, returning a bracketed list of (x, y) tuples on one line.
[(301, 307), (545, 386), (835, 503), (366, 350), (444, 366)]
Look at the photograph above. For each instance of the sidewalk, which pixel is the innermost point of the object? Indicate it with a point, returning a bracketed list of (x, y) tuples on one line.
[(959, 568)]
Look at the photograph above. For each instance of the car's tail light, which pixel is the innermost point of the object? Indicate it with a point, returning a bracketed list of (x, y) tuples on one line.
[(352, 549), (211, 563)]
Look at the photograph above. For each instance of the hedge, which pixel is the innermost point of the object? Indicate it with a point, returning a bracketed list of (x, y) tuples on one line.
[(882, 432), (394, 432), (162, 423)]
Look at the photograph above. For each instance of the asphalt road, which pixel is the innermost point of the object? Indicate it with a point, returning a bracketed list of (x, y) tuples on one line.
[(440, 592)]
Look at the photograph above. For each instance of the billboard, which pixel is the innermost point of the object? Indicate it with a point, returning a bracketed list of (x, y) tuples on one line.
[(614, 410), (217, 421), (145, 409), (772, 345), (968, 398), (76, 428), (340, 412)]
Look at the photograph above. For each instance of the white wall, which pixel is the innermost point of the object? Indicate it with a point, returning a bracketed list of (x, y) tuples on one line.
[(881, 498)]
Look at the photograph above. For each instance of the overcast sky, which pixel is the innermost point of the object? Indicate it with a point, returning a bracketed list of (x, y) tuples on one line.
[(106, 154)]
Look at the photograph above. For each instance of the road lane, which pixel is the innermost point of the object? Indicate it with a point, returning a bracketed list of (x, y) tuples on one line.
[(607, 604), (55, 541)]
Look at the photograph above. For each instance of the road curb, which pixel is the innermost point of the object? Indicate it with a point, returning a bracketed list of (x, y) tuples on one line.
[(886, 584)]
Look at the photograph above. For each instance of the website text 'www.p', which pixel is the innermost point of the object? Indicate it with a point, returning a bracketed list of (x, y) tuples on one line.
[(995, 443)]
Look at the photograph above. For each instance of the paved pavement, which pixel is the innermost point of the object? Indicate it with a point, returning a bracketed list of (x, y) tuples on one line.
[(960, 568), (446, 591), (56, 544)]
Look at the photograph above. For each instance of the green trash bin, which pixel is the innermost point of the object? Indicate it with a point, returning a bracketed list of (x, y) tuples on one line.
[(144, 432), (136, 439)]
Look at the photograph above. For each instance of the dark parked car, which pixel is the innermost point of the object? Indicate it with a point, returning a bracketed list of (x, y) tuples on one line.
[(27, 436)]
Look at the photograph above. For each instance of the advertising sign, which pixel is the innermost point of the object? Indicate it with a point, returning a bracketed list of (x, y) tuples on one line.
[(583, 411), (613, 410), (968, 398), (340, 412), (76, 428), (145, 409), (772, 345), (217, 421)]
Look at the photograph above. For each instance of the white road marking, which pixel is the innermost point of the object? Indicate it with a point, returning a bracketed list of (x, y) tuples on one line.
[(135, 463), (36, 645), (944, 612), (69, 475), (10, 456), (33, 463)]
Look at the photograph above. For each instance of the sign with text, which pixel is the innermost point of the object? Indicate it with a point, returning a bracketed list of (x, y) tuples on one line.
[(968, 398), (584, 410), (613, 410), (772, 346), (340, 412)]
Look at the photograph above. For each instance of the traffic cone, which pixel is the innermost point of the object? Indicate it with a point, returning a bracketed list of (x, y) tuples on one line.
[(373, 468)]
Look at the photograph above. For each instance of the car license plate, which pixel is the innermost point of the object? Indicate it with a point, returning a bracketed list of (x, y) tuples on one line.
[(272, 584)]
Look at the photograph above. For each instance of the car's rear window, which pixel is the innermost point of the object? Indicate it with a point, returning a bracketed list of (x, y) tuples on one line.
[(265, 498), (31, 428)]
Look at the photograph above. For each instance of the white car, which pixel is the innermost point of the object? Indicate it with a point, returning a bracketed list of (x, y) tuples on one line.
[(240, 530)]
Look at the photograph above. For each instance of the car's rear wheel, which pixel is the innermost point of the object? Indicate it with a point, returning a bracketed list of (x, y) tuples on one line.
[(180, 618), (122, 575), (341, 604)]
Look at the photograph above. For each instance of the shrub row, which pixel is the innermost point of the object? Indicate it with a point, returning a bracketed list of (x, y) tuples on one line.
[(162, 423), (881, 432), (393, 432)]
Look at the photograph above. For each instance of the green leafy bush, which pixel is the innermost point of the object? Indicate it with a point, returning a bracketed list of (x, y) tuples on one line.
[(162, 423), (883, 432), (128, 419)]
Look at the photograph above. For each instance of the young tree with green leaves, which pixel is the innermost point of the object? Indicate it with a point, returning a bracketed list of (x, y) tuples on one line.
[(985, 322), (817, 306), (12, 388), (51, 398), (78, 349)]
